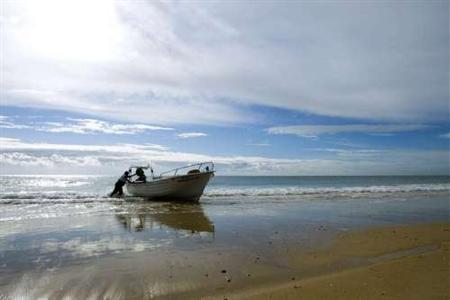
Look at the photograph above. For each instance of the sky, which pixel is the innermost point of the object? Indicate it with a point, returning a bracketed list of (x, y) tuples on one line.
[(260, 88)]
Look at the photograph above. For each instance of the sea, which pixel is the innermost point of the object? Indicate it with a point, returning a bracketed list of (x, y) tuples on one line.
[(51, 224), (43, 197)]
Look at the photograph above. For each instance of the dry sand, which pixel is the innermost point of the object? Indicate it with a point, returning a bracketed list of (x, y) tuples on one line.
[(402, 262)]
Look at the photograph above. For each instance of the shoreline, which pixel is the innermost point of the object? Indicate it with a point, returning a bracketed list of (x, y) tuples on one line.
[(391, 262)]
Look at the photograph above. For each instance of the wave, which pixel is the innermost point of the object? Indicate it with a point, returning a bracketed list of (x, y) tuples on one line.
[(74, 197), (298, 191), (51, 198)]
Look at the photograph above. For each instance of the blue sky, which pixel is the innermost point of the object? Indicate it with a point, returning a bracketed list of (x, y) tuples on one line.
[(279, 88)]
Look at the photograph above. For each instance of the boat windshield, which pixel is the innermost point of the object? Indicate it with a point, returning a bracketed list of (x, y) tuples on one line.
[(202, 167)]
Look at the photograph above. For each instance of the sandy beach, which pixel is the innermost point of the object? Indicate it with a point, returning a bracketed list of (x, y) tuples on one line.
[(401, 262), (395, 262)]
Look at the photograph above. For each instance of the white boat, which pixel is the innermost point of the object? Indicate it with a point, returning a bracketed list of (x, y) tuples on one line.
[(185, 183)]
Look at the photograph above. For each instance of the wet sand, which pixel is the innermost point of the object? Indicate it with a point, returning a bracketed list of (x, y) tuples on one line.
[(395, 262), (401, 262)]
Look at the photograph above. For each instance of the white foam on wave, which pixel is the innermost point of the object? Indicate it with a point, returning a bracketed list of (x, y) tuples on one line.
[(295, 190), (55, 183), (51, 197)]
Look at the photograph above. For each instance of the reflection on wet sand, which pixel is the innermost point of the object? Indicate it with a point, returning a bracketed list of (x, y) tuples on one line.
[(179, 216)]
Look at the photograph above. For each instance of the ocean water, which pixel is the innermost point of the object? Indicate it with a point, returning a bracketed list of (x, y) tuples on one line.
[(50, 224), (44, 197)]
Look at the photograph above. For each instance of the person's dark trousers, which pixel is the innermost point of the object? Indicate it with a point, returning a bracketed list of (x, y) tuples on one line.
[(118, 188)]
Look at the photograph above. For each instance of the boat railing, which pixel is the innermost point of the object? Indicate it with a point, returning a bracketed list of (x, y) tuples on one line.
[(201, 167)]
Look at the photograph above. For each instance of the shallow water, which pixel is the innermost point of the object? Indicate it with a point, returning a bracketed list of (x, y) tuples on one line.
[(56, 231)]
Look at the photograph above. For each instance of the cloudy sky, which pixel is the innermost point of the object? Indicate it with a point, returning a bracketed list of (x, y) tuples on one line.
[(282, 88)]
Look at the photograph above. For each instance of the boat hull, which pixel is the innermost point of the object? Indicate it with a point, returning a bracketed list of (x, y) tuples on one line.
[(188, 187)]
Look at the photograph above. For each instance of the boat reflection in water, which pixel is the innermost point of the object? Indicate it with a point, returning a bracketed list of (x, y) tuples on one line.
[(140, 216)]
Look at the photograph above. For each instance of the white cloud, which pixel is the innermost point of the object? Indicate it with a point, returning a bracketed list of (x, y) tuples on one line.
[(50, 161), (6, 122), (446, 135), (6, 141), (191, 62), (82, 126), (316, 130), (259, 144), (38, 158), (90, 126), (188, 135), (17, 144)]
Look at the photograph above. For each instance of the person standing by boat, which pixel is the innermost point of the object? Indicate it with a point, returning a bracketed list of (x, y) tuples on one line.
[(141, 175), (119, 184)]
